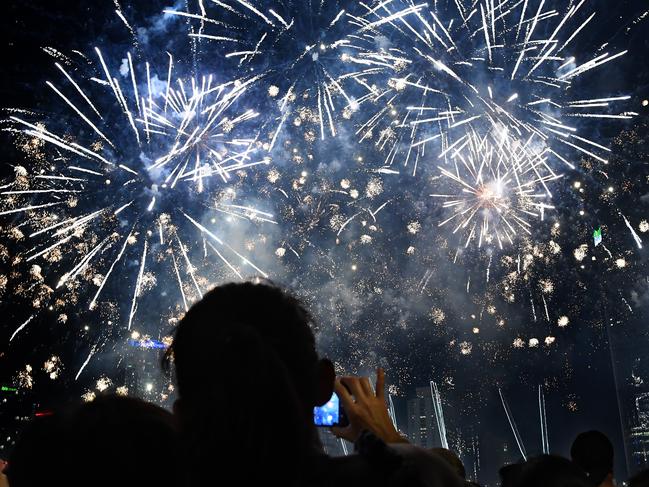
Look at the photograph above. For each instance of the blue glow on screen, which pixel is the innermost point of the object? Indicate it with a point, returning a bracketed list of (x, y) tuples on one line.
[(327, 415)]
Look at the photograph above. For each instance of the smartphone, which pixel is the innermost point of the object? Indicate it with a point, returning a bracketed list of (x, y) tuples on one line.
[(331, 414)]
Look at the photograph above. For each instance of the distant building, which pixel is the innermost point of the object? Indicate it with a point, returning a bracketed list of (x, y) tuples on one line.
[(642, 408), (332, 445), (422, 426), (639, 433)]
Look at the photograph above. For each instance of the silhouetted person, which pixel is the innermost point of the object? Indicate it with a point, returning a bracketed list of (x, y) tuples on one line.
[(118, 440), (248, 377), (549, 471), (593, 452), (452, 459), (510, 474), (640, 480), (112, 441), (36, 455), (543, 471)]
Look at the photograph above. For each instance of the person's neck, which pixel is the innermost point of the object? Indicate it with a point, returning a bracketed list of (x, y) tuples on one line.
[(314, 436), (315, 442)]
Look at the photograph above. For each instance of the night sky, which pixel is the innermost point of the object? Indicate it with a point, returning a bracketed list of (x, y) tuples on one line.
[(361, 245)]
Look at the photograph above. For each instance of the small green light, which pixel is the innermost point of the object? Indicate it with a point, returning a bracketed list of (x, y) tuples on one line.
[(597, 236)]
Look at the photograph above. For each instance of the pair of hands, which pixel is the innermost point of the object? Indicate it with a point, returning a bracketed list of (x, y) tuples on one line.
[(365, 408)]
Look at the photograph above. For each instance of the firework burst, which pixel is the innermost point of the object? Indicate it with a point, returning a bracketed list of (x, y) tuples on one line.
[(500, 186), (465, 68), (303, 50), (131, 180)]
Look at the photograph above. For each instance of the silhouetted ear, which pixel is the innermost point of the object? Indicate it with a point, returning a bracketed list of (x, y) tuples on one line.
[(325, 382)]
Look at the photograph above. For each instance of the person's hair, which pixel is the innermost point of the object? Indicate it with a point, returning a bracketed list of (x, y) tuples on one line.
[(451, 459), (138, 440), (640, 480), (593, 452), (549, 470), (246, 366), (279, 319), (510, 474), (110, 441), (32, 460)]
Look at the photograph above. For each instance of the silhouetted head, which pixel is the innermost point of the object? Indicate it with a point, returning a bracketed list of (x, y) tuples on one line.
[(115, 439), (36, 455), (549, 470), (248, 377), (278, 319), (110, 441), (510, 474), (451, 459), (593, 452), (640, 480)]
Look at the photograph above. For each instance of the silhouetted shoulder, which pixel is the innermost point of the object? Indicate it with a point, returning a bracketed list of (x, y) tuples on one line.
[(378, 464)]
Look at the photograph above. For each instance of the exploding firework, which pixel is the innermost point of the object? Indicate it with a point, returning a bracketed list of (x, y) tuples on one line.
[(149, 182), (466, 68), (303, 50), (135, 182), (486, 63), (499, 185)]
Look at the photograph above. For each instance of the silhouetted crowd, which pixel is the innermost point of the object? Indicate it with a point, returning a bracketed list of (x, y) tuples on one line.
[(248, 377)]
